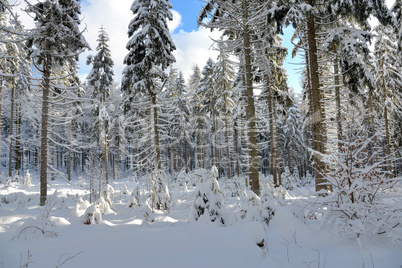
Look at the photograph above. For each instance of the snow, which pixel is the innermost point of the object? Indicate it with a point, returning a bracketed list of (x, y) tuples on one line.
[(55, 236)]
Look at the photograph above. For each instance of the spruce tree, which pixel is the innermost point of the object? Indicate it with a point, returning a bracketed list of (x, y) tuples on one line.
[(101, 79), (55, 39), (150, 54)]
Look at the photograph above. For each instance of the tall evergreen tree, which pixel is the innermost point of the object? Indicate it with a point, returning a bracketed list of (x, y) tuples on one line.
[(150, 54), (55, 39), (388, 81), (101, 79), (236, 19)]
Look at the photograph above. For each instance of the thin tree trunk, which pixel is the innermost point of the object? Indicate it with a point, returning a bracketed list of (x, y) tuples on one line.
[(156, 130), (254, 176), (106, 161), (69, 152), (387, 129), (338, 103), (44, 128), (18, 150), (10, 156), (272, 136), (52, 153), (373, 127), (228, 162), (277, 160), (317, 117)]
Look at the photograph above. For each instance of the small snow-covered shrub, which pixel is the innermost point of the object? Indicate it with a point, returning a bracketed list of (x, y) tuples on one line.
[(161, 196), (208, 202), (19, 198), (80, 182), (135, 198), (104, 206), (360, 206), (289, 181), (27, 179), (93, 215), (16, 177), (250, 206), (267, 209)]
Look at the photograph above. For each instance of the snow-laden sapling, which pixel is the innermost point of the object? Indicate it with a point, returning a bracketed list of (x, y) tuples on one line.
[(80, 182), (27, 179), (93, 215), (250, 206), (267, 208), (161, 196), (135, 198), (208, 201), (360, 207)]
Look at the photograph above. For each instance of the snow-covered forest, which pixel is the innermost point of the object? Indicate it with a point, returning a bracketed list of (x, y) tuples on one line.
[(231, 168)]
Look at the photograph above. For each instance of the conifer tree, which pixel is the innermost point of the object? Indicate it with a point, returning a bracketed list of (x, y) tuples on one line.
[(55, 39), (150, 54), (101, 79), (388, 81), (224, 74), (236, 19)]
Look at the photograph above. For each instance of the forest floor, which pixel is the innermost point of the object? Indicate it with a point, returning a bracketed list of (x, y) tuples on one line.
[(55, 235)]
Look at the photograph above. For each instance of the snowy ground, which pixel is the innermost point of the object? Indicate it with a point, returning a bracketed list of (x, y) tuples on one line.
[(55, 236)]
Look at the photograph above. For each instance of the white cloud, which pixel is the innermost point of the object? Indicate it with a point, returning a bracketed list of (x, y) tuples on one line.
[(192, 48)]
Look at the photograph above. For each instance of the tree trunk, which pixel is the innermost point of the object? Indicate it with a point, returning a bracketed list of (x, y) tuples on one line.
[(277, 160), (317, 117), (228, 162), (69, 152), (373, 129), (156, 130), (387, 129), (338, 102), (272, 136), (18, 148), (254, 176), (44, 128), (10, 156), (106, 161), (52, 152)]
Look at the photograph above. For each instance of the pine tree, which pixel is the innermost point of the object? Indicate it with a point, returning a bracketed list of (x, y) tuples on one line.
[(316, 14), (150, 53), (388, 80), (55, 39), (224, 74), (236, 20), (101, 79), (206, 93), (18, 68), (101, 76)]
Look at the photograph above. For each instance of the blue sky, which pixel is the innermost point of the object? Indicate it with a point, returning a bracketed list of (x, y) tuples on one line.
[(193, 44), (189, 10)]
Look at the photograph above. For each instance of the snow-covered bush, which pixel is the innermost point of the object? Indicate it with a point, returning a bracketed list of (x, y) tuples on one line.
[(267, 208), (360, 206), (27, 179), (288, 179), (80, 182), (93, 215), (161, 196), (135, 198), (250, 206), (208, 202), (16, 177)]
